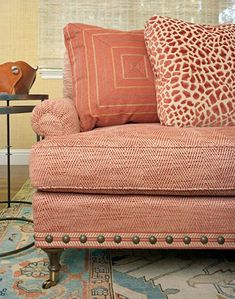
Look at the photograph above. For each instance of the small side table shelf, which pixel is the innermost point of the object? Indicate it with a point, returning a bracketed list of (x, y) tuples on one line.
[(7, 110)]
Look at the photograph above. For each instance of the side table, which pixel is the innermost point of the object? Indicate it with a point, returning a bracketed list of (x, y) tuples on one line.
[(7, 110)]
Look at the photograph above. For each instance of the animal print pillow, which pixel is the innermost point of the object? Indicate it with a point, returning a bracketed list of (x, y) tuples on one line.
[(194, 68)]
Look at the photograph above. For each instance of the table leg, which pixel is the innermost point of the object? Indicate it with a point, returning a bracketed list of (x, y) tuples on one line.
[(8, 161)]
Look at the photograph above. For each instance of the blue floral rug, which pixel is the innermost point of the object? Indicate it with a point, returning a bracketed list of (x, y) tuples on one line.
[(110, 274)]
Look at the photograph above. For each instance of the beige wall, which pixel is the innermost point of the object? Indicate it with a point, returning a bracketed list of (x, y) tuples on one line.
[(19, 41)]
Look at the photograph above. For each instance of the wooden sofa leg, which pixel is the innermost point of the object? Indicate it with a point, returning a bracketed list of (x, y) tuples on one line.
[(54, 266)]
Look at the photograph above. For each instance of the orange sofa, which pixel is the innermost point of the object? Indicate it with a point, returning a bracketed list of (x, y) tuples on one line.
[(135, 185)]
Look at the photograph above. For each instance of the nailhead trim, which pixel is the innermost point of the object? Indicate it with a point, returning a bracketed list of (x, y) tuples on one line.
[(204, 239), (187, 240), (152, 240), (221, 240), (169, 239), (100, 239), (66, 239), (136, 239), (49, 238), (83, 238), (117, 239)]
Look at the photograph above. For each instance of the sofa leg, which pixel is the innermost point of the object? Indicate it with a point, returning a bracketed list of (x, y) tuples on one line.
[(54, 266)]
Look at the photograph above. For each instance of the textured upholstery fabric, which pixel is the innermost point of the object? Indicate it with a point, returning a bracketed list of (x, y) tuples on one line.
[(67, 78), (132, 180), (55, 118), (138, 159), (112, 77), (60, 214), (194, 66)]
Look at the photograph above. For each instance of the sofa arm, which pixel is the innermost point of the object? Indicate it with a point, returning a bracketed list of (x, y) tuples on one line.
[(55, 118)]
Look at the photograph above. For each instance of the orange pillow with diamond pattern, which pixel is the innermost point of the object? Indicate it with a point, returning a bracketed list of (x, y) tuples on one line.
[(113, 82), (194, 67)]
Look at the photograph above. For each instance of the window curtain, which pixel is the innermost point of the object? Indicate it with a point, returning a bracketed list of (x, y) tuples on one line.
[(121, 14)]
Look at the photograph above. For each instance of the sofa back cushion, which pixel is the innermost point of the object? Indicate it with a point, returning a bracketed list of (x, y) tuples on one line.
[(113, 82), (194, 67)]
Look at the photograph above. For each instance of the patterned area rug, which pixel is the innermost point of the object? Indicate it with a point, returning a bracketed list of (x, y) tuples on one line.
[(108, 274)]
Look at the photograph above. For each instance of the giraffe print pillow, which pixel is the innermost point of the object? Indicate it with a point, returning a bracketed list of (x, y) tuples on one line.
[(194, 68)]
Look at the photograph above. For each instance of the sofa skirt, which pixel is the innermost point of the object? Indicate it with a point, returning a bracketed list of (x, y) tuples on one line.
[(72, 220)]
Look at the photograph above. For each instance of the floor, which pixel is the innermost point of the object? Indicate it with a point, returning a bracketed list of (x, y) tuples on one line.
[(19, 174)]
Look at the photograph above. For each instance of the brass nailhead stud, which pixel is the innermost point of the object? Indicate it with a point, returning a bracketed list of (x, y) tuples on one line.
[(66, 239), (101, 239), (221, 240), (152, 240), (169, 239), (49, 238), (117, 239), (135, 239), (187, 240), (83, 238), (204, 240)]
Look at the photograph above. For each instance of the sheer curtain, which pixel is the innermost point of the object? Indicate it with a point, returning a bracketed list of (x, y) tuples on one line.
[(121, 14)]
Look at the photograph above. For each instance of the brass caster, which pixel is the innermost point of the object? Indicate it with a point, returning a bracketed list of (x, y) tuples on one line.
[(48, 284), (54, 266)]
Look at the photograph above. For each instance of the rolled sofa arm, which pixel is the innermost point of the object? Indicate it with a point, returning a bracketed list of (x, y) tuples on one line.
[(55, 118)]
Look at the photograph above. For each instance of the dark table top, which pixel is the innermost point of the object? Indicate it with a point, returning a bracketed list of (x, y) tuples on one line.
[(15, 97), (9, 109)]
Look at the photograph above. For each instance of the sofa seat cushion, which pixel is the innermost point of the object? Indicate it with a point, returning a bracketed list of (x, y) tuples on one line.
[(138, 159)]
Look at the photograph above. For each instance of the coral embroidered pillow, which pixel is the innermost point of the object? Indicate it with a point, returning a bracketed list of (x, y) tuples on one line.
[(112, 76), (194, 67)]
